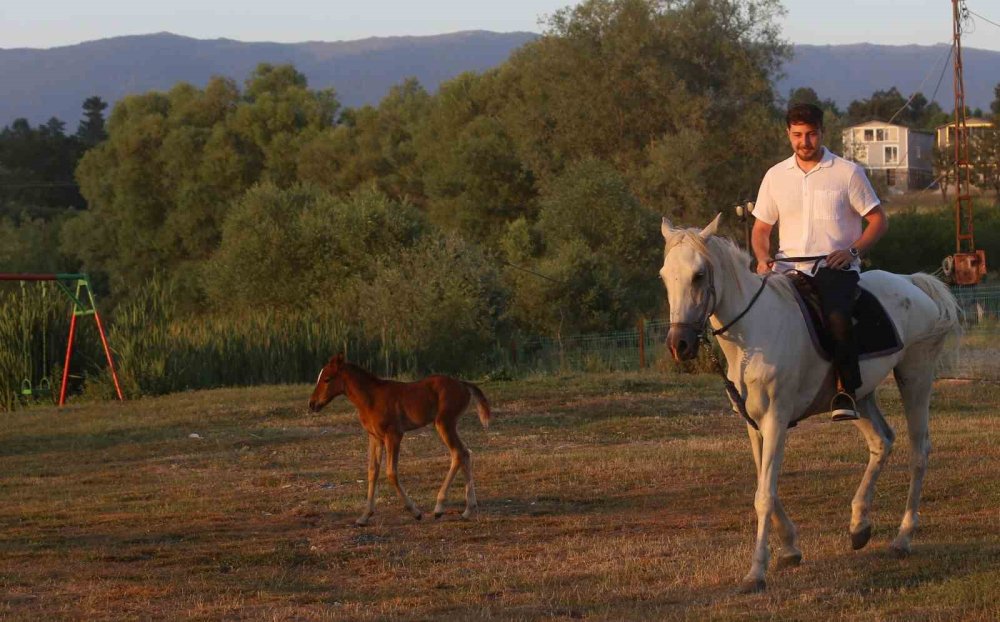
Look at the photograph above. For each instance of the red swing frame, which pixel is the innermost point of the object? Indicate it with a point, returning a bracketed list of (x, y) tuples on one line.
[(80, 307)]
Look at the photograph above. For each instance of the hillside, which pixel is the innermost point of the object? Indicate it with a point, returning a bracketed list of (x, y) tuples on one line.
[(54, 82)]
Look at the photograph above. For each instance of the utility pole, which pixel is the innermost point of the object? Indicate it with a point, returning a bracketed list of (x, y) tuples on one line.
[(967, 265)]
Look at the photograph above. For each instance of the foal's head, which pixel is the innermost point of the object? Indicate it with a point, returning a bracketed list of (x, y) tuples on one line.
[(329, 384)]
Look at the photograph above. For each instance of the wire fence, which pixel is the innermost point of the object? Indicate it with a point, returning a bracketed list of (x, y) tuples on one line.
[(644, 346)]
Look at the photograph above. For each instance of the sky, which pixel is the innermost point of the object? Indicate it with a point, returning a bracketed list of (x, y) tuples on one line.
[(52, 23)]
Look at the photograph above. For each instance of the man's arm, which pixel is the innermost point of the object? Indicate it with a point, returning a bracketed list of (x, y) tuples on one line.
[(877, 224), (760, 239)]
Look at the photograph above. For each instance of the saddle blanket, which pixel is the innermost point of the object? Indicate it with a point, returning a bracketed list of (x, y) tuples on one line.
[(874, 330)]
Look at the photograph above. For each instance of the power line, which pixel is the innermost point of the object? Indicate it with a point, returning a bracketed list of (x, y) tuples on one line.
[(927, 75), (983, 18), (951, 50)]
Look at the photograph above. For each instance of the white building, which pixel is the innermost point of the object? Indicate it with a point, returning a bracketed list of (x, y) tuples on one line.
[(901, 156)]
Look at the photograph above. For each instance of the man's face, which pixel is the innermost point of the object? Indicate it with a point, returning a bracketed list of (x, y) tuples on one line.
[(806, 141)]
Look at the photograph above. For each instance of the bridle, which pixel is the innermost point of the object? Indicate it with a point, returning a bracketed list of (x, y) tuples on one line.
[(701, 330)]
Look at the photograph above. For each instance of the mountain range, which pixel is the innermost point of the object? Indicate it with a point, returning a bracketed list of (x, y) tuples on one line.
[(42, 83)]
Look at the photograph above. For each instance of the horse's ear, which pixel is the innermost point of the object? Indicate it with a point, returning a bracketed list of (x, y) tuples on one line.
[(337, 359), (666, 229), (712, 227)]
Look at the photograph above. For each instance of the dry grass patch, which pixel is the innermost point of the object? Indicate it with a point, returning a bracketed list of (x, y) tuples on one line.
[(614, 496)]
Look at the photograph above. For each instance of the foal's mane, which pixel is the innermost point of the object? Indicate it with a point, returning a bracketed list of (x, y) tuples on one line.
[(359, 371), (725, 255)]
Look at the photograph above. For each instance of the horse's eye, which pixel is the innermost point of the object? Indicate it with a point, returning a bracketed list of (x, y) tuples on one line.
[(699, 275)]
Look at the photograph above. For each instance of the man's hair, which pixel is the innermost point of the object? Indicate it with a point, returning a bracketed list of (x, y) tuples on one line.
[(809, 114)]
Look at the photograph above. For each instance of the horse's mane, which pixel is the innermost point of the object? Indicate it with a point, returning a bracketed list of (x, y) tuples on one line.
[(724, 254)]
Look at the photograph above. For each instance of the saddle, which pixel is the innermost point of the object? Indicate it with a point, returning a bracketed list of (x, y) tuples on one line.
[(874, 331)]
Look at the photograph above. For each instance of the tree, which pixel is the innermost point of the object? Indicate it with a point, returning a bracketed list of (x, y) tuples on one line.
[(36, 170), (301, 247), (91, 129), (986, 159), (944, 169), (160, 185), (596, 244), (881, 106), (611, 77)]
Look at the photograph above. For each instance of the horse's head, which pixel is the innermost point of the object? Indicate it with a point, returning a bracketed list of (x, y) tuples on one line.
[(689, 276), (329, 383)]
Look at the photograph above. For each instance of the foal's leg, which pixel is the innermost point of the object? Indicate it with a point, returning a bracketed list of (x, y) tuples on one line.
[(449, 436), (392, 441), (789, 553), (772, 429), (915, 379), (879, 437), (374, 462)]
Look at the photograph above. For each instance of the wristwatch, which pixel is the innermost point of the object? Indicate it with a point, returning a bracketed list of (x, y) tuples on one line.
[(854, 252)]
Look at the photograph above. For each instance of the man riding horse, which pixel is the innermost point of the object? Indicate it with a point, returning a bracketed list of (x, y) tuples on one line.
[(819, 201)]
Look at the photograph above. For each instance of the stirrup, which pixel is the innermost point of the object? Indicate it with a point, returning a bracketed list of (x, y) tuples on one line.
[(844, 413)]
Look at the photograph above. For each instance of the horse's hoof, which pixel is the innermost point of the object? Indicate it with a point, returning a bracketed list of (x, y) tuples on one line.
[(360, 523), (418, 515), (438, 515), (751, 586), (899, 552), (861, 538), (788, 561)]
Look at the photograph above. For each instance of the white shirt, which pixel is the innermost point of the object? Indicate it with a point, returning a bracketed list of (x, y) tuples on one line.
[(819, 212)]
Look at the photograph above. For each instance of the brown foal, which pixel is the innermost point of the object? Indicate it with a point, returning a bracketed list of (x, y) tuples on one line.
[(388, 409)]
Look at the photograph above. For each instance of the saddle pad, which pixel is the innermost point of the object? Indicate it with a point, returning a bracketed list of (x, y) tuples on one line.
[(874, 331)]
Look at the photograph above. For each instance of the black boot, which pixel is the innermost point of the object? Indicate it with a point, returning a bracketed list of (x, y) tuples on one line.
[(843, 408)]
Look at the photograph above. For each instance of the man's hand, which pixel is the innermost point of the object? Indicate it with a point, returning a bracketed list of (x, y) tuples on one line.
[(839, 260), (765, 266)]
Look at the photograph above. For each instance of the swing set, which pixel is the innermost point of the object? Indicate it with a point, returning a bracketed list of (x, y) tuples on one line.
[(77, 288)]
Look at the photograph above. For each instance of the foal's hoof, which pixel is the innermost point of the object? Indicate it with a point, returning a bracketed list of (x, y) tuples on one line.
[(438, 515), (418, 515), (788, 561), (751, 586), (861, 538)]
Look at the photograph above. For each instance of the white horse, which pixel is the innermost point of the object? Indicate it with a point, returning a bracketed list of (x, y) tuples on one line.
[(782, 378)]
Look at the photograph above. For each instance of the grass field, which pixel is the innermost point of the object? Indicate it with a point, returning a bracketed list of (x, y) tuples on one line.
[(625, 496)]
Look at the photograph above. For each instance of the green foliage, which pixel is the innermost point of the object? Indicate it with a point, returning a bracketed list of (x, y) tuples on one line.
[(36, 169), (91, 129), (598, 247), (437, 304), (915, 112), (918, 241), (611, 78), (268, 203), (159, 187), (303, 247)]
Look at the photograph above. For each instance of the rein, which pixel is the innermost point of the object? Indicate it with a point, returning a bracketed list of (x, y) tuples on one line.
[(815, 258)]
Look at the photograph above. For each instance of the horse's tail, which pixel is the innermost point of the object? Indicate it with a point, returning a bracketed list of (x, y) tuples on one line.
[(950, 313), (482, 404)]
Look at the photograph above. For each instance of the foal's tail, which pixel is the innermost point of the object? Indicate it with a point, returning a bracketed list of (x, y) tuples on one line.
[(482, 404), (949, 322)]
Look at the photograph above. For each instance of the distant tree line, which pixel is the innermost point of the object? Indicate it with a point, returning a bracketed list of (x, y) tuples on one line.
[(523, 199)]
